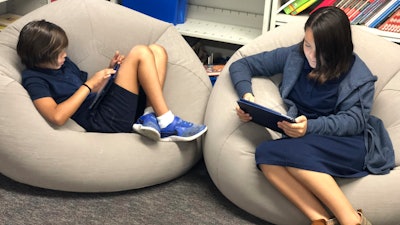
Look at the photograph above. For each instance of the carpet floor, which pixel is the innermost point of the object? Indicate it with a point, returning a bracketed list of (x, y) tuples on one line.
[(189, 199)]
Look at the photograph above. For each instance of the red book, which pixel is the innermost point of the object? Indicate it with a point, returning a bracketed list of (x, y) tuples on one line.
[(392, 24), (323, 4), (359, 9), (355, 7), (351, 6)]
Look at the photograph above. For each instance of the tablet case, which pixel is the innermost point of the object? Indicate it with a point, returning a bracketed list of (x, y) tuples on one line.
[(103, 91), (264, 116)]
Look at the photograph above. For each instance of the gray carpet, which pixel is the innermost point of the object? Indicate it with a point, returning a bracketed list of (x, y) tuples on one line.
[(190, 199)]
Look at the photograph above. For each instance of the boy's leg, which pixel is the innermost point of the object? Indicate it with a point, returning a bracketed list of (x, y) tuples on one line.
[(139, 68), (160, 59), (147, 66)]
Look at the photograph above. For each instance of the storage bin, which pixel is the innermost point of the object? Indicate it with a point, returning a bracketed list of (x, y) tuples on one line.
[(172, 11)]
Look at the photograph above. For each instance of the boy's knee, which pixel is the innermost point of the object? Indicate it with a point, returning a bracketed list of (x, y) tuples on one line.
[(140, 50), (158, 49)]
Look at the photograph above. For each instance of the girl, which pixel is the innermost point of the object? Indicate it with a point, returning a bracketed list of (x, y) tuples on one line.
[(329, 90), (60, 90)]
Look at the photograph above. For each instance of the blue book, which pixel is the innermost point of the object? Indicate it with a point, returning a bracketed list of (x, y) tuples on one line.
[(369, 11), (383, 13)]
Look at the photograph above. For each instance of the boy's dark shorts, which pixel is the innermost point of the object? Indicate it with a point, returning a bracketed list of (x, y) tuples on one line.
[(118, 110)]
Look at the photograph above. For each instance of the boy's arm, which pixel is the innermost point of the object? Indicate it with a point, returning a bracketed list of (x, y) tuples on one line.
[(59, 114)]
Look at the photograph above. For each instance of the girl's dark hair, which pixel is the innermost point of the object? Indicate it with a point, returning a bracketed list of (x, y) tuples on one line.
[(333, 42), (41, 42)]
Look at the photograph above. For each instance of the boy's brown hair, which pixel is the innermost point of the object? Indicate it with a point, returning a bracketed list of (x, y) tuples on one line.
[(41, 42)]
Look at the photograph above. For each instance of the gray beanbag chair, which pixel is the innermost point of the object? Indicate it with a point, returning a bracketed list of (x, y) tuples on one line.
[(229, 144), (67, 158)]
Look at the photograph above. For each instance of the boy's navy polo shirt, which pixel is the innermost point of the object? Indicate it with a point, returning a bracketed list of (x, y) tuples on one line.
[(59, 84)]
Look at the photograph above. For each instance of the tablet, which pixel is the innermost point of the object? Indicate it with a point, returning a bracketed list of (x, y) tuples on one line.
[(103, 91), (264, 116)]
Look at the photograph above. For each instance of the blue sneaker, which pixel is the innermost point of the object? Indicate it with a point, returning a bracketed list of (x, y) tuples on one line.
[(147, 125), (180, 130)]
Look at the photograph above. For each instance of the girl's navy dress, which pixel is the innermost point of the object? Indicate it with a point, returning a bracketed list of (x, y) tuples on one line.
[(334, 155)]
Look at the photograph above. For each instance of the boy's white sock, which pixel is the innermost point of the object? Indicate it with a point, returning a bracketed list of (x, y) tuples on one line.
[(148, 110), (165, 119)]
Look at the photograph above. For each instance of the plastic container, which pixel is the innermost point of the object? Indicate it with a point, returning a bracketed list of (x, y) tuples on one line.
[(172, 11)]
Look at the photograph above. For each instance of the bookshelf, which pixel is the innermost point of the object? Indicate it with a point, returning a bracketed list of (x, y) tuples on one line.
[(281, 18), (22, 7), (229, 21)]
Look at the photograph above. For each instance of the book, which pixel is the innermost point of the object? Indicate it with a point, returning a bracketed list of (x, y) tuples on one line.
[(358, 10), (386, 17), (264, 116), (285, 5), (324, 3), (392, 24), (349, 6), (303, 7), (213, 70), (374, 11), (294, 5), (354, 7), (340, 3), (382, 13), (368, 11)]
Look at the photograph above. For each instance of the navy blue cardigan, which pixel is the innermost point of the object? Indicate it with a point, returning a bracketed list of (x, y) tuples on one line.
[(353, 107)]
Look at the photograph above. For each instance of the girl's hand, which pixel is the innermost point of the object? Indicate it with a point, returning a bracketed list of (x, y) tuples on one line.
[(243, 116), (118, 58), (249, 97), (294, 130), (99, 79)]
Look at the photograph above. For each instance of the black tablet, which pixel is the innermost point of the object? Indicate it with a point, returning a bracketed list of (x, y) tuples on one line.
[(264, 116), (103, 91)]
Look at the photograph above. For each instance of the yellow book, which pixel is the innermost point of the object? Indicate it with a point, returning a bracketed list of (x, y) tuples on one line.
[(303, 7), (294, 5)]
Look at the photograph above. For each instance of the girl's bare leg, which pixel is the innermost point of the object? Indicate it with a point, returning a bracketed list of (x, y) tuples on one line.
[(307, 188)]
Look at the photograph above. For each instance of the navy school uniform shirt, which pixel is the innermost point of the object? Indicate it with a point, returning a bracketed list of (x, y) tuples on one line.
[(59, 84)]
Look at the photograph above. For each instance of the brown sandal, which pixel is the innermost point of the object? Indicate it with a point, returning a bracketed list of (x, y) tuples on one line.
[(332, 221), (364, 220)]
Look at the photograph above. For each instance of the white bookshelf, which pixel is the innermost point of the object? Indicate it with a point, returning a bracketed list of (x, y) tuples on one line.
[(394, 37), (280, 18), (218, 31), (229, 21)]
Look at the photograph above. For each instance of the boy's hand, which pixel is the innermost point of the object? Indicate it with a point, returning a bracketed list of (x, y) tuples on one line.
[(99, 79), (117, 58)]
